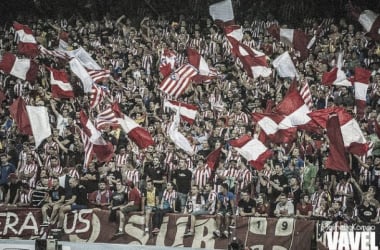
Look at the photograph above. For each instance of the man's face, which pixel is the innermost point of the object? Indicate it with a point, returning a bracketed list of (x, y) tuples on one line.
[(102, 186)]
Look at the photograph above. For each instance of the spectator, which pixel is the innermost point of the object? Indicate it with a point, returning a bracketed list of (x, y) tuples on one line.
[(224, 211), (54, 201), (119, 198), (195, 205), (284, 207), (133, 205), (102, 197), (167, 205), (13, 186), (6, 169), (246, 204), (149, 202), (182, 179), (304, 209), (77, 201)]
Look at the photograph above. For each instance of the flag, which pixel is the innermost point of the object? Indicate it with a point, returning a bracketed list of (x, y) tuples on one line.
[(337, 159), (370, 22), (24, 69), (296, 39), (353, 137), (167, 62), (100, 148), (97, 96), (253, 150), (336, 75), (53, 53), (39, 122), (234, 31), (285, 66), (254, 62), (179, 139), (276, 127), (187, 112), (87, 147), (27, 44), (222, 12), (78, 69), (213, 158), (196, 60), (362, 77), (175, 84), (106, 117), (84, 58), (306, 94), (99, 75), (18, 112), (60, 84), (135, 132)]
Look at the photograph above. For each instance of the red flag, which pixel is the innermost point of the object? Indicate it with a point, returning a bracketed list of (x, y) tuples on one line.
[(60, 84), (135, 132), (187, 112), (275, 127), (27, 44), (337, 159), (253, 150), (213, 158), (20, 115), (24, 69), (353, 137), (103, 150), (175, 84), (167, 62), (205, 72), (293, 38), (361, 81), (254, 62), (369, 20)]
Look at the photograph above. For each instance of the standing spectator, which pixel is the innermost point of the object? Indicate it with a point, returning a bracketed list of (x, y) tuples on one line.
[(156, 174), (6, 169), (77, 201), (13, 186), (90, 179), (201, 174), (149, 202), (182, 179)]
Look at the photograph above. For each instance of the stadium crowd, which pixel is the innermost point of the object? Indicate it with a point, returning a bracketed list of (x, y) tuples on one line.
[(162, 178)]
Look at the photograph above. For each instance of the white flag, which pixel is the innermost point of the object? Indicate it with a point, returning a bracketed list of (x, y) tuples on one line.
[(39, 121)]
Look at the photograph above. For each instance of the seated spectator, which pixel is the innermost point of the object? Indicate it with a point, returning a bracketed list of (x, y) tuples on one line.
[(246, 204), (40, 194), (133, 205), (284, 207), (102, 197), (262, 206), (195, 205), (224, 210), (25, 196), (365, 212), (77, 201), (54, 201), (304, 208), (167, 205), (119, 197)]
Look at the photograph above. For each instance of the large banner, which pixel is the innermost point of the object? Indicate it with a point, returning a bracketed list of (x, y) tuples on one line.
[(88, 225)]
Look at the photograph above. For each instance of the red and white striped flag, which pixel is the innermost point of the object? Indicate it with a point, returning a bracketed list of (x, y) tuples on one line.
[(99, 147), (60, 84), (27, 44), (253, 150), (97, 96), (53, 53), (87, 147), (175, 84), (306, 94), (99, 75), (362, 77), (105, 118), (24, 68)]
